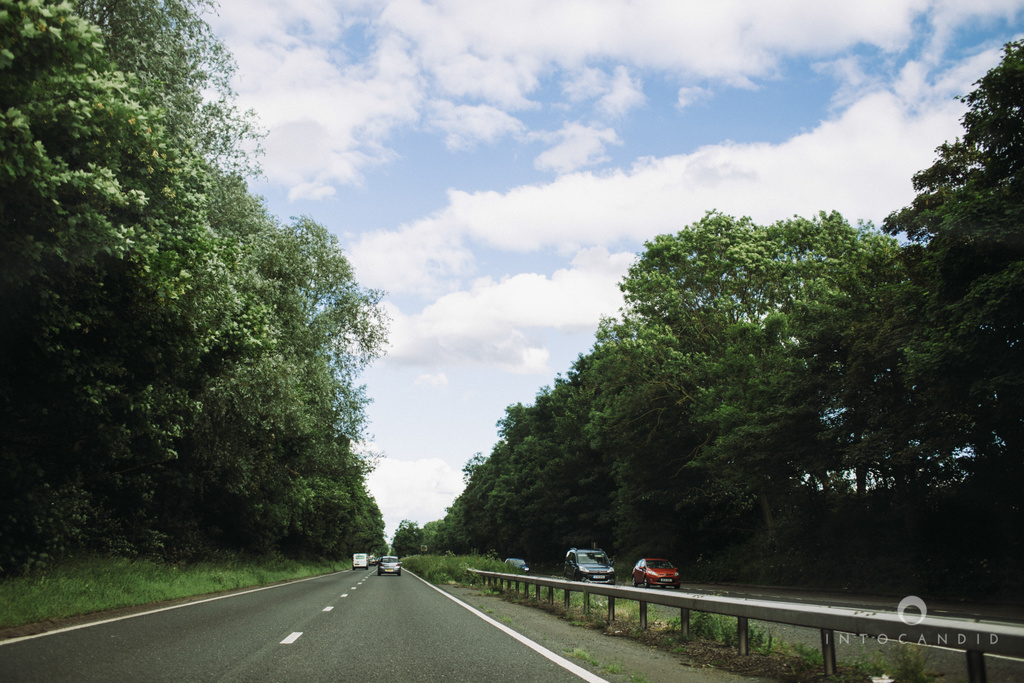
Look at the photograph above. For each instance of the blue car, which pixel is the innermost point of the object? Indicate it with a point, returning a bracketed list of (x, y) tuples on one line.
[(518, 562)]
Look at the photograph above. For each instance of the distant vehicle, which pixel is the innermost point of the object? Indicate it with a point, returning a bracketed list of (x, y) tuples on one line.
[(589, 564), (373, 560), (360, 561), (518, 562), (389, 564), (653, 571)]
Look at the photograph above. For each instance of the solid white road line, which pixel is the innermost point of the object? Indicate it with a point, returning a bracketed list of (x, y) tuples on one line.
[(560, 661), (292, 638)]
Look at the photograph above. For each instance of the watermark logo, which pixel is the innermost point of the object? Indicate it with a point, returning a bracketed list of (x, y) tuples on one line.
[(912, 611), (912, 619)]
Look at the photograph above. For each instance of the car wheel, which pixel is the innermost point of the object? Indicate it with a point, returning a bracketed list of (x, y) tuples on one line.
[(398, 573), (646, 583), (635, 584)]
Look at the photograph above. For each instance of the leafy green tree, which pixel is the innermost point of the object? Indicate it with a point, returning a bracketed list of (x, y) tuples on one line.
[(174, 53), (966, 253), (432, 533), (102, 228), (408, 539), (967, 229), (181, 369)]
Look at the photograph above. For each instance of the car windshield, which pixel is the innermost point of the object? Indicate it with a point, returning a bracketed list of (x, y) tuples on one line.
[(593, 558), (659, 564), (515, 561)]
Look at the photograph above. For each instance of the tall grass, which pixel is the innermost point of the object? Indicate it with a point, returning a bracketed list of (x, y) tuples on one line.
[(93, 584), (442, 569)]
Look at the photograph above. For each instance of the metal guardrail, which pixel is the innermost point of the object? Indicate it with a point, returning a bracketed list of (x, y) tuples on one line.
[(974, 636)]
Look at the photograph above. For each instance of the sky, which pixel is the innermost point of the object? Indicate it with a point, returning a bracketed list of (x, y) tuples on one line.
[(495, 166)]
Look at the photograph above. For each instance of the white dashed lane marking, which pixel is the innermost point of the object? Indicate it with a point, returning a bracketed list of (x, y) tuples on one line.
[(292, 638)]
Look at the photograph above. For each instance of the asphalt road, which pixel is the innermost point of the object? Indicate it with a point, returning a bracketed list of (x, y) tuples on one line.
[(349, 626)]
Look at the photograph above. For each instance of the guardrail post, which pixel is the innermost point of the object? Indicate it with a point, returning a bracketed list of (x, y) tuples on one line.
[(565, 594), (742, 631), (684, 622), (611, 608), (828, 651), (643, 615), (586, 601), (551, 595), (976, 666)]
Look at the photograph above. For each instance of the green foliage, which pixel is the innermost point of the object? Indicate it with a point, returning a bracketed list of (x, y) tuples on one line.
[(964, 347), (180, 370), (175, 55), (103, 227), (88, 584), (442, 569), (906, 663), (408, 539)]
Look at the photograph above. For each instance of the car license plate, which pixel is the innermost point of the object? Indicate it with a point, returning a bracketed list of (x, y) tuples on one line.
[(388, 569), (598, 577), (665, 580)]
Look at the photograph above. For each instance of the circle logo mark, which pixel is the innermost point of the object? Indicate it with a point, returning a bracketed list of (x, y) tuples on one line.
[(911, 619)]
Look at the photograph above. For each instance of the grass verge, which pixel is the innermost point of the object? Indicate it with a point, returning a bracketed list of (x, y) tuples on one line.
[(94, 584), (442, 569)]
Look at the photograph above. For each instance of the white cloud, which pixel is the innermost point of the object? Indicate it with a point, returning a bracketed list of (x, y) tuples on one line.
[(625, 93), (421, 258), (691, 95), (466, 125), (417, 490), (497, 322), (616, 94), (333, 81), (438, 380), (579, 146), (859, 163)]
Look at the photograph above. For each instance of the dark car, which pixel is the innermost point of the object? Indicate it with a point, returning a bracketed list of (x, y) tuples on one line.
[(654, 571), (389, 564), (518, 562), (589, 564)]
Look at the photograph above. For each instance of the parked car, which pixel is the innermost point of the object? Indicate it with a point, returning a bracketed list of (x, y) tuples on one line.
[(518, 562), (389, 564), (653, 571), (360, 561), (589, 564)]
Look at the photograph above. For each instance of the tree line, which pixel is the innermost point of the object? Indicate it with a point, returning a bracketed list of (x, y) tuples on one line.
[(179, 369), (801, 402)]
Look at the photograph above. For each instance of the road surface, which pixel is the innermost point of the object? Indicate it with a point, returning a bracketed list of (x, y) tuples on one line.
[(349, 626)]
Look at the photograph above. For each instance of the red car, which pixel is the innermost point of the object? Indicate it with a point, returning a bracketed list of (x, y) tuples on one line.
[(652, 571)]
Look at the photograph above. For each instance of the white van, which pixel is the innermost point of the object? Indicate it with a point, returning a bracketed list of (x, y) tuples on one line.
[(359, 561)]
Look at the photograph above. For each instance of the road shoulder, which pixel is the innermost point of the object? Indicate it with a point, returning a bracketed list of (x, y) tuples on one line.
[(615, 659)]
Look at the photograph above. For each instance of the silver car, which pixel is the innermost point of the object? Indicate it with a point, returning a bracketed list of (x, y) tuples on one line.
[(389, 564)]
